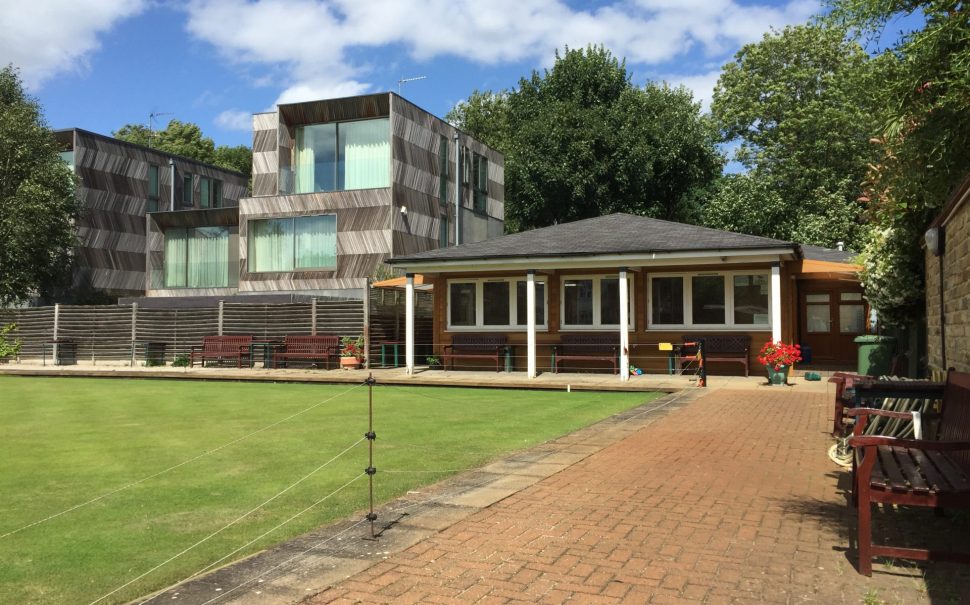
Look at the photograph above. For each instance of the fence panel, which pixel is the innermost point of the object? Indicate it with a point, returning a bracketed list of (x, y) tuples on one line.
[(35, 326), (100, 332)]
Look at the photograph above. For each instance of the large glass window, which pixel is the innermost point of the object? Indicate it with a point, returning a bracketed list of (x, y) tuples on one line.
[(751, 299), (725, 299), (593, 302), (342, 156), (197, 258), (294, 243), (152, 188), (462, 304), (522, 303), (578, 302), (205, 192), (480, 186), (495, 303), (187, 190)]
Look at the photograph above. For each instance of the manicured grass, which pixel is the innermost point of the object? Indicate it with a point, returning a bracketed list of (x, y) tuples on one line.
[(64, 441)]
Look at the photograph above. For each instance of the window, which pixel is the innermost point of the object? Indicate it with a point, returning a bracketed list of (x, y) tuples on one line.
[(293, 243), (728, 300), (593, 302), (67, 157), (197, 258), (443, 169), (152, 188), (443, 229), (852, 313), (343, 156), (493, 304), (480, 187), (187, 190), (210, 193)]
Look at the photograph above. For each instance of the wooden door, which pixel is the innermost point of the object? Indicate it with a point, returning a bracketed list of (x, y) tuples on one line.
[(832, 315)]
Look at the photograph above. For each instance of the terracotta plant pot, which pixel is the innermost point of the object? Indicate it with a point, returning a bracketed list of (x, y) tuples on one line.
[(349, 363)]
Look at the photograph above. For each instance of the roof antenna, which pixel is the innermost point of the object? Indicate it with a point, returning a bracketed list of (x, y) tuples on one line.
[(406, 80), (151, 124)]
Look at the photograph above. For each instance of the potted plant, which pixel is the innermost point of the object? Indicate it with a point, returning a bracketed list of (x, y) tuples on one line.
[(778, 358), (351, 352), (433, 361)]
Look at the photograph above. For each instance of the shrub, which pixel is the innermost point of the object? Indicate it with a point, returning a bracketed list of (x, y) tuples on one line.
[(181, 361), (8, 347)]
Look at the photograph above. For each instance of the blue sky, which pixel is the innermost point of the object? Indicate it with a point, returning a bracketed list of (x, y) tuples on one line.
[(99, 64)]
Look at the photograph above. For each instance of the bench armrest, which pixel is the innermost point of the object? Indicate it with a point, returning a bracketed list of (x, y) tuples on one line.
[(917, 444)]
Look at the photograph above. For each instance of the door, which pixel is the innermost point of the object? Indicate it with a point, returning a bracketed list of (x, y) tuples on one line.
[(832, 316)]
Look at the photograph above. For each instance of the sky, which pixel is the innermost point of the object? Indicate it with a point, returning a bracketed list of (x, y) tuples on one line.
[(100, 64)]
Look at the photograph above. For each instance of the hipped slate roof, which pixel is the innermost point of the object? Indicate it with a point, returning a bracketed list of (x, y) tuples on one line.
[(612, 234)]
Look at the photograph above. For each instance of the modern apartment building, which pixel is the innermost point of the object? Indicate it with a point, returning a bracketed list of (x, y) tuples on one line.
[(339, 187), (120, 183)]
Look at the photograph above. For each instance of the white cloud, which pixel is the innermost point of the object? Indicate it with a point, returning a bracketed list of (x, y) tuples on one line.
[(47, 37), (316, 40), (702, 85), (234, 119)]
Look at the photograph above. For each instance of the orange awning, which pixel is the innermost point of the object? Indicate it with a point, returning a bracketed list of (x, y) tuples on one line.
[(399, 282)]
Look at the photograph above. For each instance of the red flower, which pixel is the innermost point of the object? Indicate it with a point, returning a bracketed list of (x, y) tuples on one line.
[(779, 355)]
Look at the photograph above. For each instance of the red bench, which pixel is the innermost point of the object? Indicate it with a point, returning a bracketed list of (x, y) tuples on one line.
[(587, 347), (475, 346), (913, 472), (221, 348), (319, 348)]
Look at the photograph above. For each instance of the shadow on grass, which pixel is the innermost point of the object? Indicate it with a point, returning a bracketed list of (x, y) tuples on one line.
[(914, 527)]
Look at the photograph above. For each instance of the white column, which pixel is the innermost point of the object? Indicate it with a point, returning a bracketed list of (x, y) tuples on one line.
[(134, 332), (222, 308), (624, 326), (530, 300), (57, 322), (409, 323), (776, 302)]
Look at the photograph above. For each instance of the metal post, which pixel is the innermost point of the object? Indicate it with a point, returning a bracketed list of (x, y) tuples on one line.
[(457, 189), (134, 332), (57, 320), (530, 300), (371, 436), (222, 304), (367, 323), (624, 327), (409, 323), (171, 172)]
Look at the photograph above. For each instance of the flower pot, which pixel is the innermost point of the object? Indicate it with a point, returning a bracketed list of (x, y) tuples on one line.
[(779, 376), (349, 363)]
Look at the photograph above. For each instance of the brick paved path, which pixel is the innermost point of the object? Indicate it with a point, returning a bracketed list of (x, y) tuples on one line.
[(730, 499)]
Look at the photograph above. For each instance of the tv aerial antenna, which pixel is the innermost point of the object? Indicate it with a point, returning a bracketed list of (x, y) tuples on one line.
[(403, 81), (151, 123)]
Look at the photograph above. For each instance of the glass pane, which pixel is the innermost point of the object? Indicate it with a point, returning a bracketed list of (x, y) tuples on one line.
[(68, 158), (707, 299), (316, 242), (852, 319), (443, 230), (462, 301), (667, 300), (204, 191), (578, 302), (850, 296), (495, 303), (817, 318), (271, 245), (610, 301), (187, 190), (175, 258), (521, 306), (217, 194), (208, 258), (152, 181), (364, 154), (316, 158), (817, 298), (751, 293)]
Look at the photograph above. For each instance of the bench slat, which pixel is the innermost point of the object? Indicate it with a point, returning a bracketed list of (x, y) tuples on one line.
[(911, 470), (955, 476), (890, 466), (935, 480)]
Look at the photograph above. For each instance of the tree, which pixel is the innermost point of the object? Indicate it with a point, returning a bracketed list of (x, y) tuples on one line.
[(580, 141), (797, 106), (38, 205), (922, 143), (186, 139)]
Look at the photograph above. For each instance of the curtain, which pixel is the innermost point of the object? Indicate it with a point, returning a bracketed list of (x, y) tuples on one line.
[(365, 154), (304, 160), (316, 241), (271, 245), (208, 265), (175, 257)]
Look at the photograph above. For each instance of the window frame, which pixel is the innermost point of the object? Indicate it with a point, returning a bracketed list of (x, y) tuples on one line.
[(597, 325), (188, 197), (337, 156), (480, 325), (729, 325), (479, 183), (185, 265), (249, 256)]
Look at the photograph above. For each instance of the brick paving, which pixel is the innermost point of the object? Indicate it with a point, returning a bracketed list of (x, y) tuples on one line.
[(730, 499)]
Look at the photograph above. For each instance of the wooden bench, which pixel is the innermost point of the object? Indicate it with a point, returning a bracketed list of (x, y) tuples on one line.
[(587, 347), (720, 348), (323, 347), (913, 472), (221, 348), (475, 346)]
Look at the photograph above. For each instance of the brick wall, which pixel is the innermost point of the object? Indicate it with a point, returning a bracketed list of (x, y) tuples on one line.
[(956, 286)]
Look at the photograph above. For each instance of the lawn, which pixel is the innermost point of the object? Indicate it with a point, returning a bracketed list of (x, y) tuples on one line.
[(66, 441)]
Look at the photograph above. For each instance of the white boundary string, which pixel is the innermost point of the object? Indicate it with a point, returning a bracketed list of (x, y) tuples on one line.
[(230, 524), (176, 466)]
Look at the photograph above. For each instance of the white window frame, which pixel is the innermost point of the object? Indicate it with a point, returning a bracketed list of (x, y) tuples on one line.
[(596, 326), (513, 305), (729, 325)]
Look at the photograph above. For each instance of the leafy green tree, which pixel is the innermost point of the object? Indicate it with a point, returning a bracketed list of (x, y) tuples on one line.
[(922, 143), (580, 140), (797, 104), (748, 203), (38, 205), (187, 140)]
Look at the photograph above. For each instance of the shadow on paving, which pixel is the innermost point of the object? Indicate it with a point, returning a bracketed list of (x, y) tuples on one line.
[(905, 526)]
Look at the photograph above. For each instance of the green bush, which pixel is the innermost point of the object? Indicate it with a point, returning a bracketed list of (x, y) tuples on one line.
[(8, 347), (181, 361)]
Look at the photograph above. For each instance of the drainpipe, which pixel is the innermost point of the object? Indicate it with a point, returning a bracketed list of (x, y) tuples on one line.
[(457, 189), (171, 170)]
